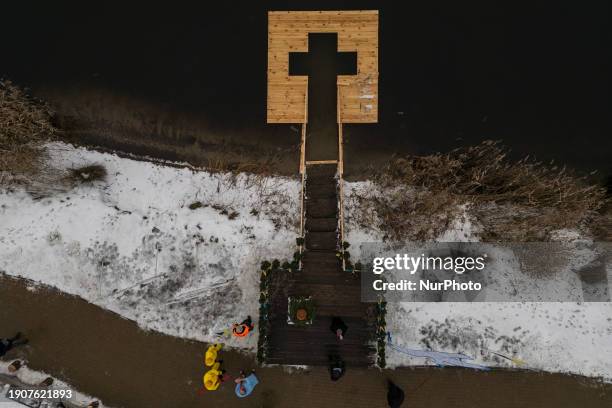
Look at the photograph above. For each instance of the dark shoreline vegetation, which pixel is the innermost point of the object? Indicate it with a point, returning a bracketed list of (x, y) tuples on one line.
[(24, 123), (522, 200), (98, 118)]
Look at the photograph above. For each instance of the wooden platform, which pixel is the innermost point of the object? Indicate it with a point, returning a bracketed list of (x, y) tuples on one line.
[(335, 292), (357, 94)]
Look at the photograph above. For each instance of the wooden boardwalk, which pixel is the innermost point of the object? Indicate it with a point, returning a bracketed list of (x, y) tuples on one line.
[(339, 99), (335, 292)]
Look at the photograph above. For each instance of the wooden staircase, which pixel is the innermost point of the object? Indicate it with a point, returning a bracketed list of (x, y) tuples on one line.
[(335, 292)]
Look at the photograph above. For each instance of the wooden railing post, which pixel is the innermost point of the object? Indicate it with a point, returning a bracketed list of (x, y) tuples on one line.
[(340, 176), (303, 177)]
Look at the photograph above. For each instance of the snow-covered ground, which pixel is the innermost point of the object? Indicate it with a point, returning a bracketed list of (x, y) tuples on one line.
[(28, 377), (570, 337), (133, 245)]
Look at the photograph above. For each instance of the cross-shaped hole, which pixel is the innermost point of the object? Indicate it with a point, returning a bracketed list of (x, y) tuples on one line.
[(323, 58), (322, 64)]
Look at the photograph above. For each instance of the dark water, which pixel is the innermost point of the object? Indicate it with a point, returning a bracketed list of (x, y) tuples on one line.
[(536, 76), (322, 63)]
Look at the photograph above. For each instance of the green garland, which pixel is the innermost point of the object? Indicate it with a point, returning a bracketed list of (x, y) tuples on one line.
[(343, 255), (381, 333), (381, 307), (267, 268), (264, 309)]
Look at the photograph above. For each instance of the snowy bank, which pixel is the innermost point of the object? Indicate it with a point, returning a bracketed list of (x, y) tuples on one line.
[(27, 379), (567, 337), (133, 245)]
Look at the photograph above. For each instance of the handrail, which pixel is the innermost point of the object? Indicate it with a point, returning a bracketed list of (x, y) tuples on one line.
[(340, 176), (303, 176)]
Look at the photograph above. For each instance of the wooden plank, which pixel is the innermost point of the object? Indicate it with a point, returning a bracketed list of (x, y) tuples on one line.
[(321, 14), (322, 162), (335, 292)]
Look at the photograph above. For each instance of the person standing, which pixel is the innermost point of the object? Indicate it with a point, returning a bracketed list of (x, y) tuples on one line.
[(337, 367), (245, 384), (338, 327), (10, 343), (395, 395), (211, 354), (243, 329), (214, 377)]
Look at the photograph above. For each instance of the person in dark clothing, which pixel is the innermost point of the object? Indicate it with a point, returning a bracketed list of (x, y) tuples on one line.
[(244, 328), (337, 368), (338, 327), (395, 395), (8, 344)]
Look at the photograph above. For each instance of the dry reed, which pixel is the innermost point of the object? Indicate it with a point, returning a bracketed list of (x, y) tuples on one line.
[(521, 200)]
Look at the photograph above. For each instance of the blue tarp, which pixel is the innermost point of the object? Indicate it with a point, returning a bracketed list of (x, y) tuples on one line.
[(441, 359)]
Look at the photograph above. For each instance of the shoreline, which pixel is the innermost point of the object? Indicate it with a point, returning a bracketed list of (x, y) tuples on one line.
[(134, 383)]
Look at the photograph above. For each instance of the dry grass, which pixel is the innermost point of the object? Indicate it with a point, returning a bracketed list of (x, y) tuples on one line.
[(87, 174), (266, 166), (100, 109), (99, 117), (515, 201), (24, 124)]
